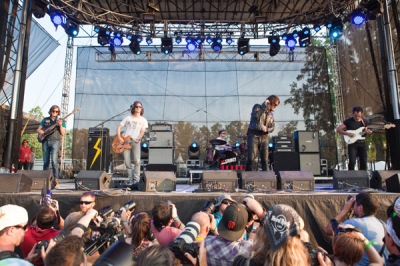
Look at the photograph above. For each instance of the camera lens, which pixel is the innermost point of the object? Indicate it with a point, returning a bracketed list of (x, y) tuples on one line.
[(190, 233)]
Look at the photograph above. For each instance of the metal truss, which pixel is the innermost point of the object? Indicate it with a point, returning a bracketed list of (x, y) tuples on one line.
[(257, 54), (67, 76)]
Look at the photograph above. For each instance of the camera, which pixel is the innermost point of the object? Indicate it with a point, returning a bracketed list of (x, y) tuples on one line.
[(59, 237), (46, 198), (313, 253), (129, 206), (349, 197), (208, 207), (184, 242)]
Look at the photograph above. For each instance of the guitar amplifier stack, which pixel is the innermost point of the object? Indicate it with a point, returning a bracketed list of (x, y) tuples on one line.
[(284, 152), (283, 144), (161, 149), (98, 153), (307, 145)]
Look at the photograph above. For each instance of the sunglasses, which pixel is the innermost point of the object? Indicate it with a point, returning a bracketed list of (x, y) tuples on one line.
[(21, 226), (226, 202), (85, 202), (55, 111), (137, 106)]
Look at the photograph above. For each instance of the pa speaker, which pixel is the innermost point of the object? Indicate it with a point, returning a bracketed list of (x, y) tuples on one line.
[(296, 180), (260, 180), (158, 181), (393, 183), (285, 161), (95, 180), (225, 180), (378, 179), (161, 167), (15, 183), (311, 162), (350, 179), (40, 178)]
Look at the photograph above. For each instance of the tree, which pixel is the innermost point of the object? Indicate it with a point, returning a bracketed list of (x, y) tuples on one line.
[(288, 129)]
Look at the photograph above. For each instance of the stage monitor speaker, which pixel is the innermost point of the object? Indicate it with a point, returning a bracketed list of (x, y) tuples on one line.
[(285, 161), (161, 168), (40, 178), (306, 141), (296, 180), (378, 179), (350, 179), (94, 180), (225, 180), (311, 162), (98, 153), (161, 156), (258, 180), (15, 183), (157, 182), (393, 183)]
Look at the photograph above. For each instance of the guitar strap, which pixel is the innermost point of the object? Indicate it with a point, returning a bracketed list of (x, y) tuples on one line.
[(362, 121)]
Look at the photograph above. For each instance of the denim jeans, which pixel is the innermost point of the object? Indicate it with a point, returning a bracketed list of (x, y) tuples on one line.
[(359, 149), (135, 152), (51, 147), (257, 144)]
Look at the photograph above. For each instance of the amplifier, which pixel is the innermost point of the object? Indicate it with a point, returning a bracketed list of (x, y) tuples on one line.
[(161, 156), (311, 161), (282, 138), (306, 141), (225, 180), (163, 139), (284, 144), (290, 149), (161, 127), (258, 180)]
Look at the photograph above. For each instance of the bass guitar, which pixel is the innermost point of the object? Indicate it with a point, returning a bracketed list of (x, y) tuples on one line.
[(47, 131), (359, 134), (119, 147)]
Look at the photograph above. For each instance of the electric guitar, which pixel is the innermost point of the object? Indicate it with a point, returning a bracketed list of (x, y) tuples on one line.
[(359, 134), (119, 147), (49, 130)]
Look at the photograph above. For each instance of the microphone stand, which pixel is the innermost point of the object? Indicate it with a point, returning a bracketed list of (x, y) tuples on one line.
[(102, 132)]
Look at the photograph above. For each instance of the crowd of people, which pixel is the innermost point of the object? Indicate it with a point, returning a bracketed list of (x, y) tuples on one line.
[(233, 233)]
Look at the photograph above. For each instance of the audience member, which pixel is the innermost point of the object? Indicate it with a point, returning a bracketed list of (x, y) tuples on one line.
[(224, 201), (32, 159), (13, 223), (205, 221), (68, 252), (392, 236), (223, 248), (86, 203), (24, 155), (42, 228), (164, 214), (364, 206), (156, 255), (278, 240)]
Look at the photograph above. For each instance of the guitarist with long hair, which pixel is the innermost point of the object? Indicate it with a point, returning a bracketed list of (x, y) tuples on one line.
[(358, 148), (135, 127), (51, 143)]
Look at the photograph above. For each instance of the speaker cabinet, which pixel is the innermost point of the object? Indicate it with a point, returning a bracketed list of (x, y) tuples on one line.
[(15, 183), (350, 179), (285, 161), (378, 179), (40, 179), (225, 180), (296, 180), (393, 183), (311, 162), (260, 180), (158, 182), (161, 167), (95, 180), (162, 139), (306, 141), (98, 154), (161, 156)]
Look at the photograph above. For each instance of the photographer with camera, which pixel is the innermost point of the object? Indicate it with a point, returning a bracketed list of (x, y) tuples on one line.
[(67, 252), (224, 201), (364, 206), (164, 215)]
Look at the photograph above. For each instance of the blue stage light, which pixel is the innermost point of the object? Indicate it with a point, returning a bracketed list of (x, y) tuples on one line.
[(178, 39), (194, 147), (96, 29), (229, 40), (144, 147), (199, 39), (108, 31), (71, 28), (191, 47), (237, 144), (270, 144), (216, 46), (149, 40), (295, 34), (358, 18), (317, 28), (117, 41), (129, 36), (209, 39), (138, 38), (284, 36), (57, 18), (218, 39), (135, 47), (290, 41)]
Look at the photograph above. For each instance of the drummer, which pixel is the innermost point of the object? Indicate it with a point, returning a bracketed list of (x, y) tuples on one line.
[(224, 147)]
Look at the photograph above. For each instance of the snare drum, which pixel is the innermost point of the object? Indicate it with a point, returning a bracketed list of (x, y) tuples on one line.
[(229, 158)]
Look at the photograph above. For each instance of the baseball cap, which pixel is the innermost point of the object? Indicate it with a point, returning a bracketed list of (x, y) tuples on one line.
[(281, 223), (233, 222), (11, 215), (222, 197)]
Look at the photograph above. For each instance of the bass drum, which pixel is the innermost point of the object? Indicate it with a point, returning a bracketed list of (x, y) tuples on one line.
[(228, 158)]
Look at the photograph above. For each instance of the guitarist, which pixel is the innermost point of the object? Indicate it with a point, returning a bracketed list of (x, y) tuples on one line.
[(135, 127), (51, 144), (359, 147)]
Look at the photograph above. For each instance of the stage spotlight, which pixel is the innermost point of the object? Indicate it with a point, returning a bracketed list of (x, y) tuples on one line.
[(199, 39), (135, 47), (138, 38), (71, 28), (237, 144), (229, 40), (39, 9), (97, 29), (194, 151), (336, 29), (284, 36), (305, 37), (166, 45), (107, 31), (271, 144), (305, 31), (216, 46), (149, 40), (328, 25), (117, 41), (290, 41), (118, 34), (317, 28), (129, 36), (243, 46), (189, 39), (191, 46), (357, 17), (178, 39), (144, 148), (295, 34), (218, 39), (209, 40), (103, 38), (274, 46), (57, 17), (374, 9)]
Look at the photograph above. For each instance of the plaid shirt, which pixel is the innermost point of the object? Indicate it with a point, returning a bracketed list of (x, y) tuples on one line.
[(221, 252)]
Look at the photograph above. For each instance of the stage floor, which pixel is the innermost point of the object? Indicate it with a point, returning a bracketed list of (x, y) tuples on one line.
[(316, 207)]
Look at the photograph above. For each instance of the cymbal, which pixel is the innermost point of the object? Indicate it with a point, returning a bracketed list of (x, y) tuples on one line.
[(217, 142)]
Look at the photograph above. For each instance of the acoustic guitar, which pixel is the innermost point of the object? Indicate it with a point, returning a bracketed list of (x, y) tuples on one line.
[(359, 134), (49, 130), (119, 147)]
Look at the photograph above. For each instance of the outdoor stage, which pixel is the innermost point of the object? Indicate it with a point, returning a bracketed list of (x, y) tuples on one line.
[(316, 207)]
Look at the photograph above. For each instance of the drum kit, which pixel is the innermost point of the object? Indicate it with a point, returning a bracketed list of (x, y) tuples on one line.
[(230, 157)]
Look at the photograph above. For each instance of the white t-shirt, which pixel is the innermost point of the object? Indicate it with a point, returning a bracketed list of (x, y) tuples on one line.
[(133, 125)]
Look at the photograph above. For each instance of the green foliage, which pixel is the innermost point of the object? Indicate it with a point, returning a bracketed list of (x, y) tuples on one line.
[(33, 143)]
